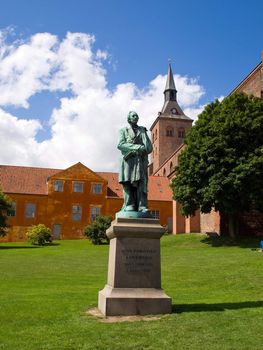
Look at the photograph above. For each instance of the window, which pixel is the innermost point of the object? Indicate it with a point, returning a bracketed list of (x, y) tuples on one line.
[(58, 186), (164, 172), (30, 210), (171, 167), (76, 212), (181, 133), (261, 93), (169, 131), (155, 214), (97, 188), (12, 210), (174, 111), (77, 186), (95, 211)]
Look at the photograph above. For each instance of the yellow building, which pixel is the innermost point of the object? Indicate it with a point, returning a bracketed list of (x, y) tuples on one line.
[(68, 200)]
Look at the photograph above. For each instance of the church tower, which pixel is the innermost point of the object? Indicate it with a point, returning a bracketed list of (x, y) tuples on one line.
[(169, 128)]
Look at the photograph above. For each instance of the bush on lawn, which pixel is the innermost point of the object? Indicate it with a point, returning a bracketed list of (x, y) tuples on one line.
[(39, 235), (96, 232)]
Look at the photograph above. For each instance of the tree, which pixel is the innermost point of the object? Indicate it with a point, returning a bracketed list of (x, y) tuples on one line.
[(221, 166), (96, 232), (39, 235), (5, 205)]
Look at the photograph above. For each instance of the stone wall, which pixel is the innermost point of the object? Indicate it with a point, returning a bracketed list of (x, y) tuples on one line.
[(210, 222)]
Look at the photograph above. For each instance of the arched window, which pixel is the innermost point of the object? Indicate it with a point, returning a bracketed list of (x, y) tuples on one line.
[(164, 172), (169, 131), (171, 167), (181, 133)]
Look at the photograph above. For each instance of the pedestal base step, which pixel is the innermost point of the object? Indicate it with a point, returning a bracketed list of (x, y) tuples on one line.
[(133, 301)]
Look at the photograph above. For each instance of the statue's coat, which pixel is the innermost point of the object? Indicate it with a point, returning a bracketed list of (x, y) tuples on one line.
[(135, 149)]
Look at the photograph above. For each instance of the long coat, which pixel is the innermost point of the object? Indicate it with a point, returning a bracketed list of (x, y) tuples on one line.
[(134, 161)]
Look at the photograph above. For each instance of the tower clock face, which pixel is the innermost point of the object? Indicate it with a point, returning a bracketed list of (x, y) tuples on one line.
[(174, 111)]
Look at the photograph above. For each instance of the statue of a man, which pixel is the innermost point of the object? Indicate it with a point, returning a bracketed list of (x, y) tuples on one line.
[(135, 146)]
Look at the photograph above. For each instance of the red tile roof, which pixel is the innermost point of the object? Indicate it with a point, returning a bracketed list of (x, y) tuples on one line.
[(30, 180), (158, 187), (27, 180)]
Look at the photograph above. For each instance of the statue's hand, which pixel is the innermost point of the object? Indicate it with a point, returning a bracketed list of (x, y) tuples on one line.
[(129, 155), (141, 150)]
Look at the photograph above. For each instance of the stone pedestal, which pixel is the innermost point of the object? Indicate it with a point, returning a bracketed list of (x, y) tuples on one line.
[(134, 271)]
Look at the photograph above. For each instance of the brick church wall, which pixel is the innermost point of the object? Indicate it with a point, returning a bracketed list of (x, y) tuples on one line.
[(251, 223), (253, 83)]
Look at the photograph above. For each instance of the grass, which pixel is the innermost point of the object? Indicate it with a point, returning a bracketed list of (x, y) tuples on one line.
[(216, 286)]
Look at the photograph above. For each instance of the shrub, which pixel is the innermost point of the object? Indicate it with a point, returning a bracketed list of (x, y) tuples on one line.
[(5, 205), (96, 232), (39, 235)]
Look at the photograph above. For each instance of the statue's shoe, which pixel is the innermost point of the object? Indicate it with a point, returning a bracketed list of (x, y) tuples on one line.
[(130, 208), (144, 209)]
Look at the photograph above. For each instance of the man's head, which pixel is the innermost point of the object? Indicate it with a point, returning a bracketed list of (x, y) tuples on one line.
[(132, 118)]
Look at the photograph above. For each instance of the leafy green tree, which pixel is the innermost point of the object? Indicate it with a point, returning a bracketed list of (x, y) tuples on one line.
[(39, 235), (5, 205), (221, 166), (96, 231)]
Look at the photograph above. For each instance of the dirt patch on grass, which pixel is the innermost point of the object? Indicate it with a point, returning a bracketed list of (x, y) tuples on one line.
[(114, 319)]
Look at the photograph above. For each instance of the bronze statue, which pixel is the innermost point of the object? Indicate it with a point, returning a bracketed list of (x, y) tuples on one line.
[(135, 146)]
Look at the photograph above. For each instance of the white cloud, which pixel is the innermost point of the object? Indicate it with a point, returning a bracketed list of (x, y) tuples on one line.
[(18, 143), (25, 69), (85, 125), (220, 99)]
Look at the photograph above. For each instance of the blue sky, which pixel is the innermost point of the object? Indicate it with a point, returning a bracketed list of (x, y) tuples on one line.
[(213, 44)]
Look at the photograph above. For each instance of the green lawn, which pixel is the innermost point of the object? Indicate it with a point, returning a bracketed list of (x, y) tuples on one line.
[(216, 287)]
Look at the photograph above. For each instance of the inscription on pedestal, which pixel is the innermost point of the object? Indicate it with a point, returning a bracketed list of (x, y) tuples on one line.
[(136, 265), (138, 260)]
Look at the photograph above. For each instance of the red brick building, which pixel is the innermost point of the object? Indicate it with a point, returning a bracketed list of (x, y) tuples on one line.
[(252, 84), (168, 131)]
